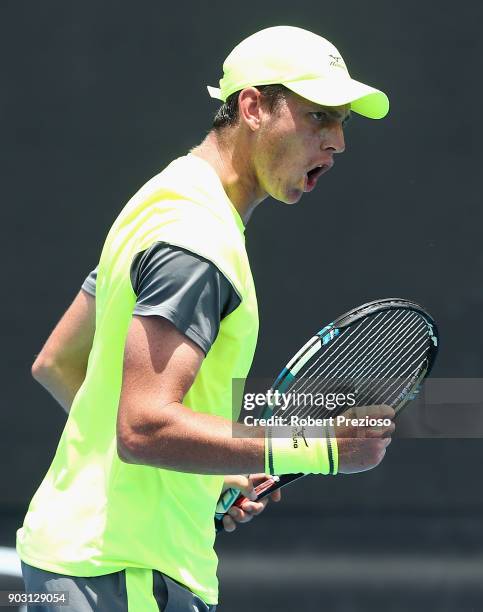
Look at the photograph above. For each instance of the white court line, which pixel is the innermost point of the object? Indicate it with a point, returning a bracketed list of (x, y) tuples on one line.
[(9, 562)]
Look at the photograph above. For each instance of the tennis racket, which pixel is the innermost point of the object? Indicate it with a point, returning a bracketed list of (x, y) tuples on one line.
[(380, 352)]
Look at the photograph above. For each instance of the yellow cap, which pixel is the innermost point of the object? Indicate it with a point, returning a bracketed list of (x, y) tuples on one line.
[(305, 63)]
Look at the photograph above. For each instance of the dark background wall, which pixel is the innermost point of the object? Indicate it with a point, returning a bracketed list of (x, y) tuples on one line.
[(97, 97)]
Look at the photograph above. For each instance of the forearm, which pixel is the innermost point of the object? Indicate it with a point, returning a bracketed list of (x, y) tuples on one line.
[(61, 382), (61, 365), (177, 438)]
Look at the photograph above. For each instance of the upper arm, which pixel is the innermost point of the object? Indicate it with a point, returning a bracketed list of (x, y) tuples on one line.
[(184, 288), (160, 365), (70, 342)]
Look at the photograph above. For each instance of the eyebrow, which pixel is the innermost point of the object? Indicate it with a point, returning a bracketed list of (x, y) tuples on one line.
[(342, 116)]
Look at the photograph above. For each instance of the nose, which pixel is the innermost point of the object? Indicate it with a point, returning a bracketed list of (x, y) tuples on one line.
[(334, 139)]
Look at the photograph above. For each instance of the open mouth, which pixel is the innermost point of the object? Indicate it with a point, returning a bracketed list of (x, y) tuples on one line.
[(314, 174)]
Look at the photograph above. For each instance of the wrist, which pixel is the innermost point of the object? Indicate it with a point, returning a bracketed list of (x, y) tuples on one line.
[(292, 451)]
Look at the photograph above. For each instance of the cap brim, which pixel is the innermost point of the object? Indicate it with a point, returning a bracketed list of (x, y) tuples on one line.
[(215, 92), (363, 99)]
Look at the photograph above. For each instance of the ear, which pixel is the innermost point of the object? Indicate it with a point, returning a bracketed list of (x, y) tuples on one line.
[(250, 107)]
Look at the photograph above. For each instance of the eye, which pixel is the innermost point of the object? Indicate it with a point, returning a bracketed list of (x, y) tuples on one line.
[(346, 120), (320, 116)]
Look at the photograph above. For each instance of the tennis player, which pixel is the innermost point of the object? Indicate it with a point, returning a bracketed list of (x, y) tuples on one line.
[(143, 359)]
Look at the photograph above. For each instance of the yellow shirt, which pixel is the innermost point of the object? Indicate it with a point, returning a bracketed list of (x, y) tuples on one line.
[(94, 514)]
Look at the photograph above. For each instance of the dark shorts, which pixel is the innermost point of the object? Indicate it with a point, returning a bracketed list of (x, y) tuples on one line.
[(130, 590)]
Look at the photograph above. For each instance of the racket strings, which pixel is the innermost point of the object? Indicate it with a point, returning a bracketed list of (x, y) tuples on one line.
[(333, 347), (408, 376), (362, 328), (384, 354), (405, 350), (388, 359), (416, 376), (371, 352), (347, 359), (389, 384), (382, 383), (333, 356), (387, 356), (307, 384)]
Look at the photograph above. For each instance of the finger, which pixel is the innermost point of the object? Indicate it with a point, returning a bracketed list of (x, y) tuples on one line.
[(239, 515), (376, 442), (254, 507), (276, 496), (259, 478), (382, 431), (229, 524), (245, 485), (248, 488), (386, 411), (389, 431)]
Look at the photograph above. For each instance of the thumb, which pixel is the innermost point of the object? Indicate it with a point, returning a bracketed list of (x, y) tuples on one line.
[(245, 485)]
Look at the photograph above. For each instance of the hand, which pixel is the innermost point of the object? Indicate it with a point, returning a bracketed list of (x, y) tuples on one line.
[(247, 485), (362, 448)]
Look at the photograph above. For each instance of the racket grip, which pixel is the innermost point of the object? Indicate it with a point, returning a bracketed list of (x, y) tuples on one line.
[(262, 490), (226, 501), (232, 497)]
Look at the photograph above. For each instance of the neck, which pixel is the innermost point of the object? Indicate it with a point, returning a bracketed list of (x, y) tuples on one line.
[(227, 153)]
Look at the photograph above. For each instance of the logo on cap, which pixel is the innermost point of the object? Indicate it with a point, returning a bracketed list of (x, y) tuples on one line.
[(336, 61)]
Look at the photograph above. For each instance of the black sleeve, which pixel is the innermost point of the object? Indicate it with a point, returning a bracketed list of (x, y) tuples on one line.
[(89, 284), (184, 288)]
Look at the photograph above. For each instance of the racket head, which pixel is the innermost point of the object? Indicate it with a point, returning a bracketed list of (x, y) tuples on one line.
[(402, 324), (362, 347)]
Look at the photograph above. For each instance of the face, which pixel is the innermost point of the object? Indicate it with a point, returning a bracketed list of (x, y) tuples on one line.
[(296, 144)]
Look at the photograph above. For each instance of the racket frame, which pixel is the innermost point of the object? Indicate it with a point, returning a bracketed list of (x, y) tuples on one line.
[(323, 337)]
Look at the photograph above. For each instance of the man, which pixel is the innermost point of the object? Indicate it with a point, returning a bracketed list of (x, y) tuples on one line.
[(145, 356)]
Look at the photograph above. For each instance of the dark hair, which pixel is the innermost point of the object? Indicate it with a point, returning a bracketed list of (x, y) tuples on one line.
[(227, 114)]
